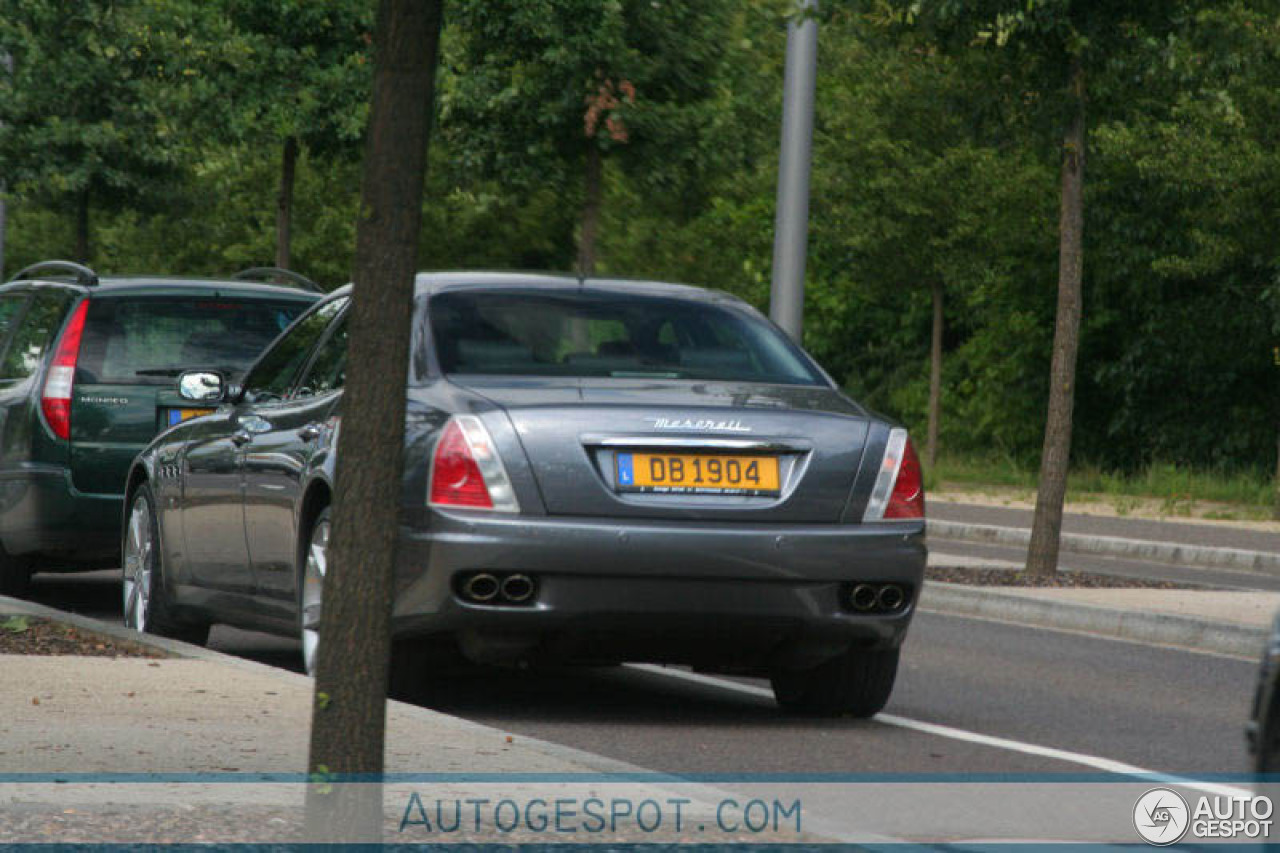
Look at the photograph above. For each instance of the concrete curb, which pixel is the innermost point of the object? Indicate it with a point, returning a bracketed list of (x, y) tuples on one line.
[(1156, 628), (1178, 554)]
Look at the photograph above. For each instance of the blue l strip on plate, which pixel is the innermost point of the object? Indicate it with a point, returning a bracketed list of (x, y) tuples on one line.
[(626, 477), (175, 416)]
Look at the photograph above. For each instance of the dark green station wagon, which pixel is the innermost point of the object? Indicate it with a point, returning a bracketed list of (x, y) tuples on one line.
[(87, 369)]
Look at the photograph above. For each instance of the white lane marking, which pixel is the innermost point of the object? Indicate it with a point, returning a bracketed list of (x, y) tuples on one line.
[(1106, 765)]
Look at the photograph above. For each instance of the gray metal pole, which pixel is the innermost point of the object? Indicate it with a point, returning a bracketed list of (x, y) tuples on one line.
[(791, 228)]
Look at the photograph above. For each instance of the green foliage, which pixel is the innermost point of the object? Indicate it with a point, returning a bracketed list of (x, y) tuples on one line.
[(77, 112), (936, 152), (301, 69)]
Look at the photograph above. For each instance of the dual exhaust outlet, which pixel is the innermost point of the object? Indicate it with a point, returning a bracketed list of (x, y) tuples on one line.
[(497, 588), (876, 597)]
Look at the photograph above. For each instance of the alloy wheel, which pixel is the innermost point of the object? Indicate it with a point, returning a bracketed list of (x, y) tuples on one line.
[(139, 549), (312, 592)]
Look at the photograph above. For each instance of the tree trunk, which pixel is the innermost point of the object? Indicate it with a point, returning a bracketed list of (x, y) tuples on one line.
[(1275, 512), (591, 211), (82, 227), (1046, 527), (935, 378), (284, 204), (348, 724)]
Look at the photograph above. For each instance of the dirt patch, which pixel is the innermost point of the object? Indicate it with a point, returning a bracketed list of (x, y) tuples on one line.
[(1061, 580), (31, 635)]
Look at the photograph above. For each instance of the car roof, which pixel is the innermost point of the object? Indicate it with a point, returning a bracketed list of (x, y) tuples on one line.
[(435, 282), (162, 285), (430, 283)]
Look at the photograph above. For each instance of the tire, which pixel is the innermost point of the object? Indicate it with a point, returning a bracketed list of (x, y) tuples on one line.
[(15, 576), (407, 677), (857, 683), (314, 563), (146, 603)]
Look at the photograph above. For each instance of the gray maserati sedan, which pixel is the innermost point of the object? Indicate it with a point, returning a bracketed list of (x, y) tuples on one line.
[(598, 471)]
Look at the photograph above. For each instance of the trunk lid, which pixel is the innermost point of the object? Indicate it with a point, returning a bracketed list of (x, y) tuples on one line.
[(590, 442)]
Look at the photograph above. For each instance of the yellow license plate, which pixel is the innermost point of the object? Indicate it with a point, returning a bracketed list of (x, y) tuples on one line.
[(697, 473), (177, 416)]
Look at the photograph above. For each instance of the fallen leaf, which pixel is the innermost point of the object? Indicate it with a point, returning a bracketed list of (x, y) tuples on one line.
[(35, 700), (15, 624)]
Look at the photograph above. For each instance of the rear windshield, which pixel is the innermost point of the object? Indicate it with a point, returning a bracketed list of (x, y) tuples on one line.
[(607, 334), (149, 340)]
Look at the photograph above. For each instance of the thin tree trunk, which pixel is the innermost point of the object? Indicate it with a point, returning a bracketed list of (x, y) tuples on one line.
[(348, 723), (82, 227), (1275, 512), (935, 378), (284, 204), (4, 225), (591, 210), (1046, 527)]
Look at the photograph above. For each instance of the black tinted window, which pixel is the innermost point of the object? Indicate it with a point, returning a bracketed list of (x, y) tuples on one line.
[(328, 369), (273, 376), (32, 337), (598, 333), (149, 340)]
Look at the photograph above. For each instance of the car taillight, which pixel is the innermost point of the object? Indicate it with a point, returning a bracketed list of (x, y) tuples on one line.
[(898, 492), (55, 401), (466, 470)]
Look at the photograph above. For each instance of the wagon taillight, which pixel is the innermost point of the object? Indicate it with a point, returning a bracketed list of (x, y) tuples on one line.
[(55, 399)]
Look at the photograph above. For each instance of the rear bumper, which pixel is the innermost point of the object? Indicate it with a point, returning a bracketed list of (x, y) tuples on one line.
[(43, 515), (714, 595)]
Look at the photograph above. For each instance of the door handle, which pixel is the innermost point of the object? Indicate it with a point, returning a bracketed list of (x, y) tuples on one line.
[(310, 432), (241, 437)]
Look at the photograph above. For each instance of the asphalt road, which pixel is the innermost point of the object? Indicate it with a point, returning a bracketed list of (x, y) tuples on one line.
[(1160, 709)]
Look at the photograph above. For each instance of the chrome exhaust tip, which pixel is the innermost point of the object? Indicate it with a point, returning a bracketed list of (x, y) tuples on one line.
[(863, 597), (517, 589), (891, 597), (480, 587)]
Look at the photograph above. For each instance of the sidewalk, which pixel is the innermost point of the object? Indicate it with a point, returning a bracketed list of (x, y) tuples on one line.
[(205, 747), (1193, 543)]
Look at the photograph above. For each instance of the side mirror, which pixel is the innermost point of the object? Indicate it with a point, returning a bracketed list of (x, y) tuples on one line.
[(202, 386)]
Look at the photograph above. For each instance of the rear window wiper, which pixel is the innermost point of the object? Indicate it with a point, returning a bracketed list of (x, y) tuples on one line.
[(159, 371)]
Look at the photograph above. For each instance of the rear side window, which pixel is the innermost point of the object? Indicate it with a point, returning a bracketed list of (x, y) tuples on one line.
[(32, 336), (273, 376), (149, 340), (328, 371), (609, 334)]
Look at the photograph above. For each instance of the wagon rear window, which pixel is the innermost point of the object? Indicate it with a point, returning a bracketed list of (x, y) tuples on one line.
[(150, 340), (588, 333)]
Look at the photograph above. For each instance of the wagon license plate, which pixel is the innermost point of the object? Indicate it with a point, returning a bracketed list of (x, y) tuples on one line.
[(177, 416), (697, 473)]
